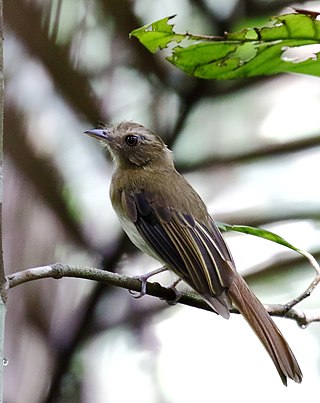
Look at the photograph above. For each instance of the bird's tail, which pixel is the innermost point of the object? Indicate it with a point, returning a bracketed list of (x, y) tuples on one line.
[(266, 330)]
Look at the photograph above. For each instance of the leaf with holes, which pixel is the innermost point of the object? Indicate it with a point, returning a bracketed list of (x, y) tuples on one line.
[(287, 43)]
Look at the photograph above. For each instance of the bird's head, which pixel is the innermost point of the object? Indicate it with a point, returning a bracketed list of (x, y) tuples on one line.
[(131, 144)]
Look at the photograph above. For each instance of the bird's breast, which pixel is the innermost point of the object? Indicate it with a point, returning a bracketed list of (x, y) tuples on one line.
[(135, 237)]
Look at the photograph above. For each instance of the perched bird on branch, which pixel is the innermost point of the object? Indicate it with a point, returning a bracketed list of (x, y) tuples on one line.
[(166, 218)]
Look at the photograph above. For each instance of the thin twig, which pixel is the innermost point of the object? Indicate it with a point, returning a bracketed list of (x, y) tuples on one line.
[(59, 270), (303, 318), (311, 287)]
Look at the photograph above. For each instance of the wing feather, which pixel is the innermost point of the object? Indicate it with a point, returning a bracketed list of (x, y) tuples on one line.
[(195, 251)]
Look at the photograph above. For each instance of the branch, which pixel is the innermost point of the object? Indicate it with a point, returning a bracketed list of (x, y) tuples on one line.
[(59, 270)]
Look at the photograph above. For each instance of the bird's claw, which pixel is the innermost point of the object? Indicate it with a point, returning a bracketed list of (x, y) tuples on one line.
[(143, 280), (177, 293), (143, 291)]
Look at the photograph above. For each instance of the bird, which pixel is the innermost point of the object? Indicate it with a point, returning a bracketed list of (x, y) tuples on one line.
[(165, 218)]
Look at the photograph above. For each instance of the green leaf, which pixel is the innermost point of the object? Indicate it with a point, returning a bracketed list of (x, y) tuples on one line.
[(261, 233), (247, 53), (270, 236), (157, 35)]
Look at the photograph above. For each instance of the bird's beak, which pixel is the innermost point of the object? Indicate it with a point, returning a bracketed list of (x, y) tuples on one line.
[(99, 134)]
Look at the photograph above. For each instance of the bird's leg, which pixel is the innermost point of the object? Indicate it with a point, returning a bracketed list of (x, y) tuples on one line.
[(178, 294), (143, 279)]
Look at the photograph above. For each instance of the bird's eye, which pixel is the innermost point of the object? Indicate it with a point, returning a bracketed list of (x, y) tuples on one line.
[(131, 140)]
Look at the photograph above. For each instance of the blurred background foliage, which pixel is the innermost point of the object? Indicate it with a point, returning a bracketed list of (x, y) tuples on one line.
[(250, 147)]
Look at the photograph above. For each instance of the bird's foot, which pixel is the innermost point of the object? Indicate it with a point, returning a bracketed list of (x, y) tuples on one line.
[(143, 279), (177, 293)]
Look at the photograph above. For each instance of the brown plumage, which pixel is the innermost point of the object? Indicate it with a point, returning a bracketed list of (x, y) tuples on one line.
[(165, 218)]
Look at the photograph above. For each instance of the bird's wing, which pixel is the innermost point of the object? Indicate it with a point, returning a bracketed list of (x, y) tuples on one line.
[(195, 251)]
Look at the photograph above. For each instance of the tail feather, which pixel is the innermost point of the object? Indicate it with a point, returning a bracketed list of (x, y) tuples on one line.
[(266, 330)]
